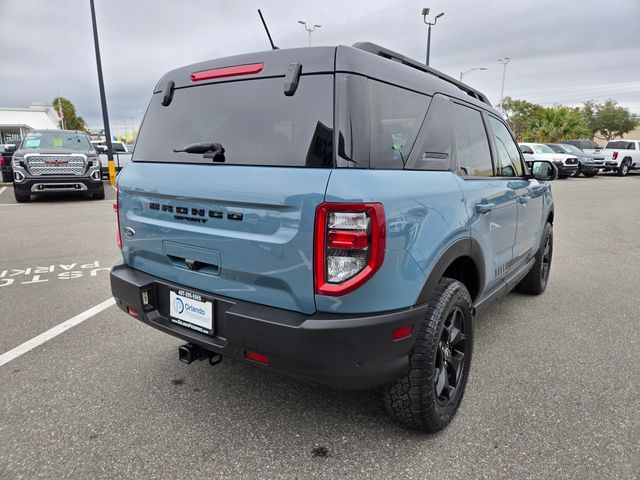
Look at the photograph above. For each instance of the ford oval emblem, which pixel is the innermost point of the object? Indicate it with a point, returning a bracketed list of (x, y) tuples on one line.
[(129, 232)]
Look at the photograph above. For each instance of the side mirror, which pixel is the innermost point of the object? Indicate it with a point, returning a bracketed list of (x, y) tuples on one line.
[(543, 170), (101, 148), (10, 148)]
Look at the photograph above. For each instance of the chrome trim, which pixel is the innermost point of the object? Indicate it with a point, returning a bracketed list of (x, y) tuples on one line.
[(58, 187), (39, 168)]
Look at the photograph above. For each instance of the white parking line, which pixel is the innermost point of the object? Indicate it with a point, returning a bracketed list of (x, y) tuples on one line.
[(54, 332), (2, 189), (114, 187)]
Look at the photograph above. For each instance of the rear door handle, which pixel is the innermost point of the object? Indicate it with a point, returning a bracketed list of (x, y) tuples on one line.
[(484, 207)]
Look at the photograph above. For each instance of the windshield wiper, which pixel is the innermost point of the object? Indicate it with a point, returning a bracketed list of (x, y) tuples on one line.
[(214, 151)]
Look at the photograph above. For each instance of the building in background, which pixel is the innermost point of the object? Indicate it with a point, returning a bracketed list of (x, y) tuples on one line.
[(16, 122)]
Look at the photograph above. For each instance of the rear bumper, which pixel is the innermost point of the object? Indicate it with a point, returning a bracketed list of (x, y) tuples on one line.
[(64, 184), (351, 352)]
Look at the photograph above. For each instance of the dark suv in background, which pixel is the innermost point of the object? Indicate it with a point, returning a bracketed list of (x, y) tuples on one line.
[(56, 161)]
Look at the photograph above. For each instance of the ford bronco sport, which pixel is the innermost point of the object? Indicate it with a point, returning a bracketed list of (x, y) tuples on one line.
[(337, 214), (56, 161)]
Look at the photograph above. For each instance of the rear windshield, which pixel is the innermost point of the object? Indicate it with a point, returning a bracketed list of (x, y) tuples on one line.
[(619, 145), (56, 140), (253, 120)]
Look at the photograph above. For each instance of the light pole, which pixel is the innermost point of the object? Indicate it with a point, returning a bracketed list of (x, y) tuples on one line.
[(309, 28), (504, 62), (103, 98), (462, 74), (425, 12)]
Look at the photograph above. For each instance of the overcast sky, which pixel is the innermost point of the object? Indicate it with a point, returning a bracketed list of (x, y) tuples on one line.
[(561, 51)]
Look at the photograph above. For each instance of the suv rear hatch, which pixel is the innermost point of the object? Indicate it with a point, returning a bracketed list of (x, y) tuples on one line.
[(242, 227)]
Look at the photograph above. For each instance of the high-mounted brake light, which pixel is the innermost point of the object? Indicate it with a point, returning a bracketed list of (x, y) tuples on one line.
[(234, 71), (349, 245), (116, 209)]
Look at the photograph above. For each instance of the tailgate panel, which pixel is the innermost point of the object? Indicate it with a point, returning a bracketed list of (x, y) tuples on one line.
[(248, 229)]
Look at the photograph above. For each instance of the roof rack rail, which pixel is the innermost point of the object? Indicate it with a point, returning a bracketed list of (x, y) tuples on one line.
[(391, 55)]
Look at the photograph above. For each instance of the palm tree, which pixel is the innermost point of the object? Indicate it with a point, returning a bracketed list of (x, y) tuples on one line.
[(557, 123)]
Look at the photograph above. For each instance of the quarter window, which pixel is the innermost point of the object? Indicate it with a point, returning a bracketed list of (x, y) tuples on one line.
[(470, 143), (508, 163), (396, 117)]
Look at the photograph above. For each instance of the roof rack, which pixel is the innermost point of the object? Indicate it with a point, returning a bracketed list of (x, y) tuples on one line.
[(391, 55)]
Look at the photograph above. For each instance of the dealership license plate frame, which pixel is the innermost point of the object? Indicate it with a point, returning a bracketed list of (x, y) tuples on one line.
[(204, 324)]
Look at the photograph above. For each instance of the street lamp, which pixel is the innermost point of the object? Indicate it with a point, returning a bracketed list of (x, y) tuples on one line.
[(425, 13), (504, 62), (309, 28), (462, 74)]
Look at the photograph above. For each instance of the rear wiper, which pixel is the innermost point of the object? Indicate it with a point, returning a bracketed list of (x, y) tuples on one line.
[(214, 151)]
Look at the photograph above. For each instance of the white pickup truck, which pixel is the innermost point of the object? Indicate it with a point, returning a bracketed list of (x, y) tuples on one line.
[(121, 155), (621, 156)]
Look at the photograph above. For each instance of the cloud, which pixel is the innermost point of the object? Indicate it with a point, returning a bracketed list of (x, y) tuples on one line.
[(560, 53)]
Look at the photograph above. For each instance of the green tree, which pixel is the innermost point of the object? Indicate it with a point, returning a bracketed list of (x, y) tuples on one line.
[(557, 123), (608, 120), (71, 120), (520, 114)]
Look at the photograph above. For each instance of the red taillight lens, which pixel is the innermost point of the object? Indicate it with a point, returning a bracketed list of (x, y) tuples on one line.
[(401, 333), (1, 161), (349, 245), (234, 71), (615, 155), (133, 312), (257, 357), (116, 209)]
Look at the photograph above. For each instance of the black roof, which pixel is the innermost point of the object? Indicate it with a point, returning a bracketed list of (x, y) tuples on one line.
[(363, 58)]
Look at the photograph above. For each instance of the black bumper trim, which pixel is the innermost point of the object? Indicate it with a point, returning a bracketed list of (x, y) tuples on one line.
[(351, 352)]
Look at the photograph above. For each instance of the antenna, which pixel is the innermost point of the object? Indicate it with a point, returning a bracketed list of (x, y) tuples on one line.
[(267, 30)]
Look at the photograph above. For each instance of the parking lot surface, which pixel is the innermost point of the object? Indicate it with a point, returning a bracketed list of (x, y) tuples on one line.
[(553, 392)]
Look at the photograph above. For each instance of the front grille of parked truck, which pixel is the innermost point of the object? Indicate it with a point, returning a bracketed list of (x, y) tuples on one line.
[(39, 164)]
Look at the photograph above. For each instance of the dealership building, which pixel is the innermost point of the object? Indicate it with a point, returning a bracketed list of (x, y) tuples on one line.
[(16, 122)]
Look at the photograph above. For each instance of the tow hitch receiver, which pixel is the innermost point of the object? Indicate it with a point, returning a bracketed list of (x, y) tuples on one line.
[(189, 353)]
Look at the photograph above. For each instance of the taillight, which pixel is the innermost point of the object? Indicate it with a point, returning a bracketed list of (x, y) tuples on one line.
[(349, 245), (615, 155), (1, 161), (116, 208)]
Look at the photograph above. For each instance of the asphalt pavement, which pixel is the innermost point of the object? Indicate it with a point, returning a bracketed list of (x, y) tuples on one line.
[(554, 391)]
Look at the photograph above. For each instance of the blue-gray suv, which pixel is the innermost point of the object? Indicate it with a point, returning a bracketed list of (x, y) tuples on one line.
[(337, 214)]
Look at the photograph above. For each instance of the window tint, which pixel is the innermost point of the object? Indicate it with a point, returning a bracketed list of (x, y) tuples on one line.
[(470, 143), (620, 145), (253, 120), (396, 117), (508, 162)]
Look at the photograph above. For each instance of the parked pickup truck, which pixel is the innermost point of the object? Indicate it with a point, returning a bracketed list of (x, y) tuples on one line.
[(56, 161), (621, 156), (336, 214), (567, 164), (121, 155)]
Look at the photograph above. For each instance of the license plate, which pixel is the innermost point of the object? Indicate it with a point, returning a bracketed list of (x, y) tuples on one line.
[(191, 311)]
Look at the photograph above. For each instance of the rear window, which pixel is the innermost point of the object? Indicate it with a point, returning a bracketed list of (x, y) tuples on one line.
[(620, 145), (253, 120)]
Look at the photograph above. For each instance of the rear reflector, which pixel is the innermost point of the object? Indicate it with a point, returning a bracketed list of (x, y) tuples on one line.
[(234, 71), (401, 333), (133, 312), (257, 357)]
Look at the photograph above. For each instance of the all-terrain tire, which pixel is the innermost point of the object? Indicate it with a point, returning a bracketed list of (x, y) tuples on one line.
[(536, 280), (412, 399)]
